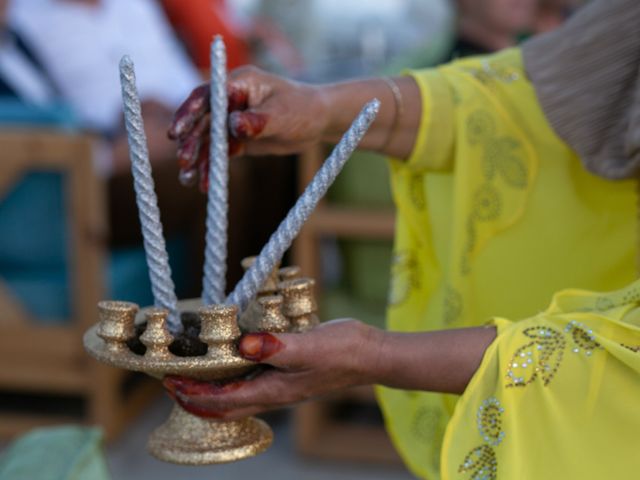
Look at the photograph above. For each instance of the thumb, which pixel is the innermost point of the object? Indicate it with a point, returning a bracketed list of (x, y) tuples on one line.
[(279, 350)]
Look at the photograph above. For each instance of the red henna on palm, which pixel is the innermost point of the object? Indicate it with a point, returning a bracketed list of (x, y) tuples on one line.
[(259, 346), (190, 387), (244, 125)]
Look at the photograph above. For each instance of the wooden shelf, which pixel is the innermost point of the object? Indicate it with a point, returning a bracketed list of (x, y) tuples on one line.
[(352, 222)]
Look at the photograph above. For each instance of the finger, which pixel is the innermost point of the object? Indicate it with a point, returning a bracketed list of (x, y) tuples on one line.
[(247, 124), (192, 144), (191, 110), (270, 389), (205, 412), (203, 171), (188, 177), (284, 350), (189, 386), (238, 96)]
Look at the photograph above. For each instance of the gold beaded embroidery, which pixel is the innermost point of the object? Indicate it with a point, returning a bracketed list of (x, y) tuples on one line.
[(583, 338), (549, 344), (633, 348), (481, 461)]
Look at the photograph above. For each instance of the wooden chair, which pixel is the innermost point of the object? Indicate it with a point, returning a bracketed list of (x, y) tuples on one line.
[(49, 359)]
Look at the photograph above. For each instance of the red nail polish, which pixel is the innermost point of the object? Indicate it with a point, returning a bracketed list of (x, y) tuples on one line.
[(259, 346)]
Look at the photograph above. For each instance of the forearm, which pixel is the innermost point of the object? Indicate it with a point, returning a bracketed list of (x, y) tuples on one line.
[(439, 361), (395, 130)]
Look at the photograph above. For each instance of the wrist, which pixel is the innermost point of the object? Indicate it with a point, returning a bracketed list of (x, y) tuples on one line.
[(327, 100), (370, 365)]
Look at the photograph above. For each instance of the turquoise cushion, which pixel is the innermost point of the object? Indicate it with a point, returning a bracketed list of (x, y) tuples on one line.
[(15, 112), (128, 276), (44, 293), (61, 453), (33, 223)]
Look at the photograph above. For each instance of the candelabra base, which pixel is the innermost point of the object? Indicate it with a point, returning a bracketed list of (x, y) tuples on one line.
[(189, 440)]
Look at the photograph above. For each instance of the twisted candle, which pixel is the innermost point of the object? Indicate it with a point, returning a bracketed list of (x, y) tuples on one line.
[(215, 263), (280, 241), (157, 258)]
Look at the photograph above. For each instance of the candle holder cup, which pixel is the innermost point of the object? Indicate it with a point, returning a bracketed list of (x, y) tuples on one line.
[(206, 349)]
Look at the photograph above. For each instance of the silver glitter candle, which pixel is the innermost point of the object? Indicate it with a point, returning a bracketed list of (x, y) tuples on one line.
[(280, 241), (157, 258), (215, 263)]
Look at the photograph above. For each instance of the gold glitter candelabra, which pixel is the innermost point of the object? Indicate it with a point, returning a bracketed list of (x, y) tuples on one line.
[(206, 349)]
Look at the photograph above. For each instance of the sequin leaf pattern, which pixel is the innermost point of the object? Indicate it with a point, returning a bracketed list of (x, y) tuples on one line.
[(547, 346), (541, 357), (481, 462)]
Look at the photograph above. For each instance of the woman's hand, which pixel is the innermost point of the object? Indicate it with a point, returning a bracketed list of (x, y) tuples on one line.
[(267, 115), (333, 356), (272, 115)]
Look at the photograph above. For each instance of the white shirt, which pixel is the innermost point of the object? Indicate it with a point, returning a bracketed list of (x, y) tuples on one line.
[(81, 45), (22, 75)]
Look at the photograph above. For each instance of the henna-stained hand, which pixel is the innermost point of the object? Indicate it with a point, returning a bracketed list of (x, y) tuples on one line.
[(333, 356), (267, 115)]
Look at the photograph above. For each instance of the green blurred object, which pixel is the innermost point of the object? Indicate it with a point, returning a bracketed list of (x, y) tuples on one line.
[(363, 182), (339, 303), (367, 265), (59, 453)]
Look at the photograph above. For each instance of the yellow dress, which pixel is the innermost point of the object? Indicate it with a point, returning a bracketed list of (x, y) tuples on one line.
[(556, 395), (495, 214)]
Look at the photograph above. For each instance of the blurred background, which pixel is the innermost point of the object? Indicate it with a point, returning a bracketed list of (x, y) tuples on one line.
[(69, 232)]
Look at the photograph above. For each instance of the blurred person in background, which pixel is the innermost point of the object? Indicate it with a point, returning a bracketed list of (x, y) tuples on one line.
[(486, 26), (27, 91), (524, 146), (79, 44), (247, 38)]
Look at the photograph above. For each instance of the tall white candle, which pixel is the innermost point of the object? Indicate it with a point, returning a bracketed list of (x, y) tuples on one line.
[(280, 241), (154, 245), (215, 263)]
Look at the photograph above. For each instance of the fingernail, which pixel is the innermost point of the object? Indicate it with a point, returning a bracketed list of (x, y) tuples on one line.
[(188, 178), (243, 125), (259, 346)]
